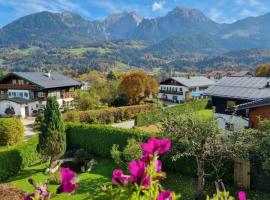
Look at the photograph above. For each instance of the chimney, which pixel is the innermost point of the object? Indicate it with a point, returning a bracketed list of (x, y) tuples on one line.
[(268, 84), (48, 74)]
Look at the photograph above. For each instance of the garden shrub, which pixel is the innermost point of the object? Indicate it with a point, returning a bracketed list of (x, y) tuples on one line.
[(99, 140), (15, 158), (106, 115), (155, 116), (11, 131)]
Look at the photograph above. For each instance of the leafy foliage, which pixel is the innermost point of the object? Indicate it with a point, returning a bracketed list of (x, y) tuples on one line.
[(143, 85), (52, 140), (263, 70), (158, 115), (106, 115), (11, 131), (13, 159)]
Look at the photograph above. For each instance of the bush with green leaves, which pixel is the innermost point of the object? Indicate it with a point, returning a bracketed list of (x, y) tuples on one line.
[(131, 152), (15, 158), (106, 115), (11, 131), (156, 116)]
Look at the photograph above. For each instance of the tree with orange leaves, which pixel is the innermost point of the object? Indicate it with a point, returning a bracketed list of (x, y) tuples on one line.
[(138, 85)]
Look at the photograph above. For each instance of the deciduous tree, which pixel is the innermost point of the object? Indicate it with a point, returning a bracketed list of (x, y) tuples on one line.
[(263, 70), (138, 85)]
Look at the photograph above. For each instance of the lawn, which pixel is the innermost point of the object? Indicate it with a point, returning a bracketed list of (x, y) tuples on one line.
[(27, 51), (80, 51), (101, 174)]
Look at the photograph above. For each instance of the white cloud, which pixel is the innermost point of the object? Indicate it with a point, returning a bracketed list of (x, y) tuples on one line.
[(157, 6), (215, 14)]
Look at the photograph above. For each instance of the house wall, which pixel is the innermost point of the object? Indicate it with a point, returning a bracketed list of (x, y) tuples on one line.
[(19, 109), (256, 113), (220, 105)]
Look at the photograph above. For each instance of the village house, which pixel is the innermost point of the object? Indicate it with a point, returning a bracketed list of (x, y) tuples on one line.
[(232, 91), (256, 111), (181, 89), (217, 75), (25, 93)]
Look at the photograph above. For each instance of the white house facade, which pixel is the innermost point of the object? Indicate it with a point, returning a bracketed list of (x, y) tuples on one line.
[(25, 93), (181, 89)]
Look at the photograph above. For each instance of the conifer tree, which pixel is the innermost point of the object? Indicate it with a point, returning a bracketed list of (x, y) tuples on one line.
[(52, 139)]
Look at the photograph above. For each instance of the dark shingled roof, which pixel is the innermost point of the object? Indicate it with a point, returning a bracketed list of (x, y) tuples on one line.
[(254, 104), (249, 88), (55, 80)]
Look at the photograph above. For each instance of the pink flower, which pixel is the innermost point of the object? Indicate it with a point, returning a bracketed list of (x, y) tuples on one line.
[(138, 173), (68, 184), (156, 146), (242, 195), (119, 177), (158, 166), (146, 158), (166, 195)]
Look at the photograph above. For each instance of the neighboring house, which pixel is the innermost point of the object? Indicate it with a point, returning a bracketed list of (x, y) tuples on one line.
[(242, 74), (180, 89), (232, 91), (217, 75), (259, 109), (25, 93)]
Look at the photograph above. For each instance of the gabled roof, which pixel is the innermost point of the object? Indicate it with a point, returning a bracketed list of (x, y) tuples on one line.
[(249, 88), (242, 73), (194, 81), (55, 80), (254, 104)]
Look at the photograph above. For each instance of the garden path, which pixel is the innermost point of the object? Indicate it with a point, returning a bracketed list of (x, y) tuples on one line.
[(29, 128), (127, 124)]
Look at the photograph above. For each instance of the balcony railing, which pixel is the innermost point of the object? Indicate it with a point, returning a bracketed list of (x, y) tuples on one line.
[(68, 95), (17, 86), (171, 92)]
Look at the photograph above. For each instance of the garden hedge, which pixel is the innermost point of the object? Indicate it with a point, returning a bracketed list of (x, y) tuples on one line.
[(106, 115), (155, 116), (15, 158), (11, 131), (99, 139)]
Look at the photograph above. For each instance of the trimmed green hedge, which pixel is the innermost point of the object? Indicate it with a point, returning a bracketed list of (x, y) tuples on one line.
[(99, 139), (11, 131), (106, 115), (15, 158), (155, 116)]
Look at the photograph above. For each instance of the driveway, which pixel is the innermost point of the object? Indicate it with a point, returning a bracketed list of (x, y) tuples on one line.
[(29, 128), (127, 124)]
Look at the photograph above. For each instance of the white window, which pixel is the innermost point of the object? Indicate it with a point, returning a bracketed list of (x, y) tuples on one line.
[(41, 94), (14, 81), (26, 95)]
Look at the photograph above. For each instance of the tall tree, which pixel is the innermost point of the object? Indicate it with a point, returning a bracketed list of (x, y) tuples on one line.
[(200, 137), (263, 70), (52, 139), (138, 85)]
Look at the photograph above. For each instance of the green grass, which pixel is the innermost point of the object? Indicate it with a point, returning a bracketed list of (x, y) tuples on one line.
[(27, 51), (101, 174), (206, 113), (80, 51)]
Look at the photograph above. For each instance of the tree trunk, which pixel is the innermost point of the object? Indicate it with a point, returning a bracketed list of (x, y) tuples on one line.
[(201, 179)]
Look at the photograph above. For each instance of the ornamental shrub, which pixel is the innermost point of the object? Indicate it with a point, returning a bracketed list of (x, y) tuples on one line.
[(11, 131), (15, 158), (106, 115), (157, 116)]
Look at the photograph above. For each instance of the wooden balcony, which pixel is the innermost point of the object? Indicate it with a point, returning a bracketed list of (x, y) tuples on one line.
[(68, 95), (18, 87), (171, 92)]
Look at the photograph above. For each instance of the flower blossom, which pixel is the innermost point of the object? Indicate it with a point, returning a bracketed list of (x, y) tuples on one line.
[(166, 195), (242, 195), (156, 146), (68, 183), (138, 173), (119, 177)]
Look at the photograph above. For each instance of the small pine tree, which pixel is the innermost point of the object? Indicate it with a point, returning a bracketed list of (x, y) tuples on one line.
[(52, 139)]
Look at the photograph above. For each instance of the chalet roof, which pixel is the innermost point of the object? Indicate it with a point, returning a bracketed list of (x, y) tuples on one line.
[(242, 73), (254, 104), (55, 80), (249, 88), (194, 81)]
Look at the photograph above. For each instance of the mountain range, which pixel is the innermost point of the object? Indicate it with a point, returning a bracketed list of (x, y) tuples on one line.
[(182, 29)]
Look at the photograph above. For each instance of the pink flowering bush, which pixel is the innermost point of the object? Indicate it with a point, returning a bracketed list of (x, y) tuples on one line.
[(143, 181), (41, 192)]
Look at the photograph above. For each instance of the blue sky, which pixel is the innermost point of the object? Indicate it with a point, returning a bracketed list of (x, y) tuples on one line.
[(219, 10)]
